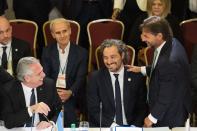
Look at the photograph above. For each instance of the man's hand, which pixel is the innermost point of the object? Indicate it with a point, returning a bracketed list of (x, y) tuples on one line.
[(40, 108), (135, 69), (64, 94), (43, 125), (147, 122)]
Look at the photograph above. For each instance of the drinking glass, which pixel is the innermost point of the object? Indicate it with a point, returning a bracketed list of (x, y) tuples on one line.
[(83, 126)]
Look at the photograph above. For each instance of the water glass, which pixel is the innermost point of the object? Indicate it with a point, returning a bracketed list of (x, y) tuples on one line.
[(83, 126)]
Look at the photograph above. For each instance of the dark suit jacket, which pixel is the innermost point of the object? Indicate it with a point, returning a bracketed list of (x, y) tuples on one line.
[(20, 49), (100, 90), (3, 6), (71, 9), (169, 87), (76, 72), (15, 112), (4, 78)]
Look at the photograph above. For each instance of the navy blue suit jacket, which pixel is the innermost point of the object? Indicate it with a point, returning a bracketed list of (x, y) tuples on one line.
[(169, 87), (100, 90), (14, 110), (76, 69), (76, 73)]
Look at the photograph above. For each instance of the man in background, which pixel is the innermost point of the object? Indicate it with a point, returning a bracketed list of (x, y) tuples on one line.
[(11, 49)]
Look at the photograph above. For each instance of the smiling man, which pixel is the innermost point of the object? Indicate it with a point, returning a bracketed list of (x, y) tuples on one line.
[(30, 98), (121, 93), (66, 63)]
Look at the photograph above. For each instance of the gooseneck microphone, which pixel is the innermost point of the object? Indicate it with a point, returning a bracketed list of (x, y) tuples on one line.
[(32, 121), (100, 117)]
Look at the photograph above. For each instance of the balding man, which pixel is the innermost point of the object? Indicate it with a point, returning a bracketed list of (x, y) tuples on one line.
[(11, 49)]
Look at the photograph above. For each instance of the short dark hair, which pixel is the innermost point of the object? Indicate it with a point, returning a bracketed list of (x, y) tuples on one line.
[(155, 25)]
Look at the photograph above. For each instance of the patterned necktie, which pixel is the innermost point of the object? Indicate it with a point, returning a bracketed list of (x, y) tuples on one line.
[(119, 119), (32, 102), (4, 61)]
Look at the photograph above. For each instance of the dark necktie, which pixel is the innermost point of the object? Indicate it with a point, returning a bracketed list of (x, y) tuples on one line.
[(32, 102), (119, 119), (4, 61)]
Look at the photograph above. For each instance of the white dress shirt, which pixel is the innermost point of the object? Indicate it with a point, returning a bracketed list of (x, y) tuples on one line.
[(121, 81), (27, 93)]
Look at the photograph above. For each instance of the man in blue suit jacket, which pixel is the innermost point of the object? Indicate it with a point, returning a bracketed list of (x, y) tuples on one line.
[(169, 85), (102, 90), (66, 63)]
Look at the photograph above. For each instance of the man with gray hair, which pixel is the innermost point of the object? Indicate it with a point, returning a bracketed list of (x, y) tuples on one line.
[(31, 99), (118, 94)]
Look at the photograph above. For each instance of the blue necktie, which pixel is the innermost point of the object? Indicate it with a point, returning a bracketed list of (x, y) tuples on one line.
[(32, 102), (119, 119)]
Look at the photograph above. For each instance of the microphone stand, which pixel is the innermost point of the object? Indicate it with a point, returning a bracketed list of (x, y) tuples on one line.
[(32, 121)]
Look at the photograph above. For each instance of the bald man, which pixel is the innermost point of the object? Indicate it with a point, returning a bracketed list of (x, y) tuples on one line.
[(14, 48)]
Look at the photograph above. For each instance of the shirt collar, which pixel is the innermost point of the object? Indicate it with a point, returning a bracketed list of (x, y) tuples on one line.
[(66, 49), (160, 47), (120, 72), (26, 88)]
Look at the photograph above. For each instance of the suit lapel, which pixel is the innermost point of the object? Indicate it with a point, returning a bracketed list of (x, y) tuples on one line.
[(71, 59), (55, 58), (20, 94)]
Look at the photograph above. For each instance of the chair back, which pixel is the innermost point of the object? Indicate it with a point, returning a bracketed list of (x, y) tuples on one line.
[(130, 57), (75, 32), (189, 33), (25, 30), (148, 54), (98, 31)]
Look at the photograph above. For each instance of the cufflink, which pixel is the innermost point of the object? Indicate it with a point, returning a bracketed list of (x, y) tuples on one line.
[(16, 50)]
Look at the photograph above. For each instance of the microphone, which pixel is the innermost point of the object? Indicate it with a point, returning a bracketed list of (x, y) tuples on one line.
[(100, 117), (32, 121)]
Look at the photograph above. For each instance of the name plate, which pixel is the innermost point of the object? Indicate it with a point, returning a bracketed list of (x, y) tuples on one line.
[(125, 128)]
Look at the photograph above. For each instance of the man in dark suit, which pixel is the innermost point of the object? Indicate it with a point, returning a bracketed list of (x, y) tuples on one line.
[(169, 86), (123, 105), (14, 48), (84, 11), (66, 63), (4, 78), (31, 99)]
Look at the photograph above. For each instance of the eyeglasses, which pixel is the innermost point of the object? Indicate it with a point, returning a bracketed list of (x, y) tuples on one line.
[(53, 128)]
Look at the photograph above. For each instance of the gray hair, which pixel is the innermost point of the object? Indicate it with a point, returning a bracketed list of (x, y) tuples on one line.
[(121, 46), (58, 20), (23, 67)]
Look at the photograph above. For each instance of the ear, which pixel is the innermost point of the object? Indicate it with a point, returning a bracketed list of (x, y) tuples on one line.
[(26, 78), (53, 34), (160, 36), (123, 56)]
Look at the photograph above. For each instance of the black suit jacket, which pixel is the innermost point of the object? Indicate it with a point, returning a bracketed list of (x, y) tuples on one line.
[(100, 90), (20, 49), (169, 87), (4, 78), (3, 6), (15, 112)]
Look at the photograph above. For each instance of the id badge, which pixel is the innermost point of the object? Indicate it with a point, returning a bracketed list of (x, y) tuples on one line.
[(61, 81)]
